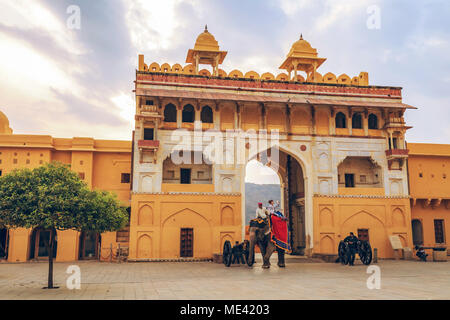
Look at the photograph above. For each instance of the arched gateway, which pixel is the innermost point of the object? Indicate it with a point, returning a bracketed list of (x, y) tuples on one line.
[(294, 196), (338, 146)]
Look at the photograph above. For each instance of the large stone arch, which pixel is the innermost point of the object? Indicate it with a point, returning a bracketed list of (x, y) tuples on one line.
[(302, 211), (186, 218)]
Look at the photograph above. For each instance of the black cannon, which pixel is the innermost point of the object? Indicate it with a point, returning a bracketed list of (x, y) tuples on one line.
[(363, 249), (237, 253)]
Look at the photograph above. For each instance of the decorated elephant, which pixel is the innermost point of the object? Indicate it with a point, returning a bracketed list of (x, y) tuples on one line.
[(260, 235)]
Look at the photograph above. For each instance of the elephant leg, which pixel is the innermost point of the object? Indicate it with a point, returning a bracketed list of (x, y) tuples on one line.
[(281, 263), (269, 250)]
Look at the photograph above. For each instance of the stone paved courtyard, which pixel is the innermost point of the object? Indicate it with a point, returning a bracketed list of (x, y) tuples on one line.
[(302, 279)]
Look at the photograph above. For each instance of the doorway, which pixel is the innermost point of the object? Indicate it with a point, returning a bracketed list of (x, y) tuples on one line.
[(89, 244), (38, 244), (363, 234), (417, 232), (187, 243), (185, 176), (4, 239)]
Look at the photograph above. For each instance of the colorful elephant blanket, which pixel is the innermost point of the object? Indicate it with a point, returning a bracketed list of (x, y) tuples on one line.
[(279, 232)]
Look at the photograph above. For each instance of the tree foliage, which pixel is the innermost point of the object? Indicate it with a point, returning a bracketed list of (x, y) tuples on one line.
[(53, 196)]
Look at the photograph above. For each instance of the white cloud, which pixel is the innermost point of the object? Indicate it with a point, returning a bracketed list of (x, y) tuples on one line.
[(339, 12), (126, 106), (258, 173), (30, 15), (291, 7), (23, 65), (152, 23)]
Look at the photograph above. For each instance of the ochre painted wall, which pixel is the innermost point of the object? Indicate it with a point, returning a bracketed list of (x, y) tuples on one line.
[(429, 183), (156, 221), (101, 161), (335, 217)]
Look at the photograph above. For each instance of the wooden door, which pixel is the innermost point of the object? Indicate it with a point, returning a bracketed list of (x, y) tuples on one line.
[(363, 234), (187, 242)]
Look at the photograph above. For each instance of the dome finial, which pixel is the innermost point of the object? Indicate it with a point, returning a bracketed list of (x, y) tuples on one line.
[(301, 36), (206, 28)]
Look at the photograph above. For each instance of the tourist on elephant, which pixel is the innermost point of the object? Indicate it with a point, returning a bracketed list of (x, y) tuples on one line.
[(274, 208)]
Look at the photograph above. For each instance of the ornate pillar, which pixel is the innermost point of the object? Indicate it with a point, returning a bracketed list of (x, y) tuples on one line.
[(288, 121), (179, 112), (216, 115), (332, 122), (263, 120), (237, 117), (197, 108), (349, 121), (366, 122), (197, 60), (313, 119)]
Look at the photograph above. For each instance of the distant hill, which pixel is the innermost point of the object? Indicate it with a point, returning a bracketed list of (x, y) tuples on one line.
[(255, 193)]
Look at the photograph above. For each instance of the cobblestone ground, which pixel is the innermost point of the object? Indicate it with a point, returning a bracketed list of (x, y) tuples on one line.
[(206, 280)]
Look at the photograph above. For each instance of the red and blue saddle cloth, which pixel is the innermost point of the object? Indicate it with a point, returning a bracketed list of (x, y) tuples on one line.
[(279, 231)]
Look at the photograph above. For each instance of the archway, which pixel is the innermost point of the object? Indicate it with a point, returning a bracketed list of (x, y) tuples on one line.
[(38, 243), (89, 245), (287, 185), (417, 232), (4, 239)]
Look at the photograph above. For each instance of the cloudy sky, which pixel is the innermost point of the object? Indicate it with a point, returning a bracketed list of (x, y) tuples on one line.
[(78, 82)]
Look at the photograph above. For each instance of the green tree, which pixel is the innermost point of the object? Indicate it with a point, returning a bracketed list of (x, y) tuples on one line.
[(53, 197)]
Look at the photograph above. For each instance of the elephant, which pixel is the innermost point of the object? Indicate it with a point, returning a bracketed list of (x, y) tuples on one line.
[(260, 235)]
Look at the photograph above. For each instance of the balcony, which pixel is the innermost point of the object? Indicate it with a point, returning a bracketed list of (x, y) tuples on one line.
[(395, 122), (397, 153), (148, 112), (148, 144)]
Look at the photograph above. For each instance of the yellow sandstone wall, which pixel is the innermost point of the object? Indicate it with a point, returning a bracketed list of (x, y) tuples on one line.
[(429, 181), (335, 217), (101, 161), (156, 220)]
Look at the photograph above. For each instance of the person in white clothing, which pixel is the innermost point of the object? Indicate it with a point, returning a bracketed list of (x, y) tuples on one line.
[(275, 209), (261, 212)]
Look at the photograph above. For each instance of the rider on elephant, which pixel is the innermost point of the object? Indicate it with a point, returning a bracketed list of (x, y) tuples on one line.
[(261, 212)]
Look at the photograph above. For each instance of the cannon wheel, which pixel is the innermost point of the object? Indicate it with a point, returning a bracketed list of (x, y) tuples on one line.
[(250, 260), (365, 252), (226, 255), (342, 253)]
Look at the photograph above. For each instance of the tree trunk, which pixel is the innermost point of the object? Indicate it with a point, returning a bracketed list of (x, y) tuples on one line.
[(50, 258)]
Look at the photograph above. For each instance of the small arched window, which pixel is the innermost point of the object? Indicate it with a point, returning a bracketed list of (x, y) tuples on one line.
[(188, 114), (373, 121), (341, 120), (357, 121), (207, 115), (170, 113)]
